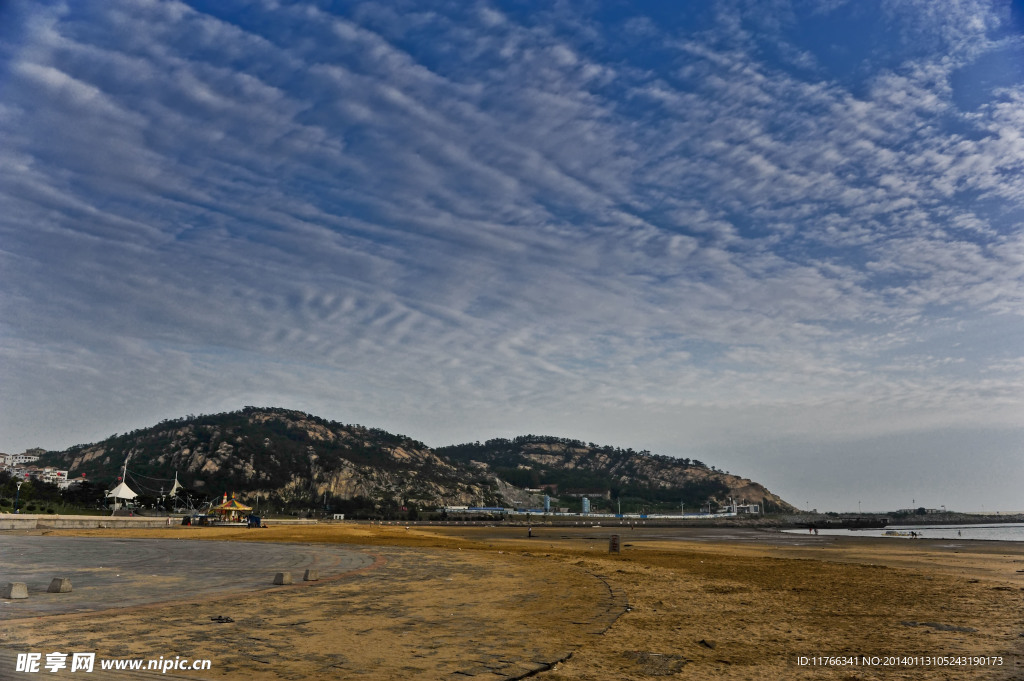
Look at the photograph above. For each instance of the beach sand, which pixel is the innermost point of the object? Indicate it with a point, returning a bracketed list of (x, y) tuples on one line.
[(464, 602)]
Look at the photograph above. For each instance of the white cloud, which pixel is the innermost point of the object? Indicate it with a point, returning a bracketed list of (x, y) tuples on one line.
[(501, 220)]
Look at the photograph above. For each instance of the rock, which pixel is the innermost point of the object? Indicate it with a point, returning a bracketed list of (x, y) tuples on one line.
[(14, 590), (60, 585)]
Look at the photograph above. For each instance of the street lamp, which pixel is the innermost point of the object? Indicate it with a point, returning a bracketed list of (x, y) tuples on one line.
[(17, 495)]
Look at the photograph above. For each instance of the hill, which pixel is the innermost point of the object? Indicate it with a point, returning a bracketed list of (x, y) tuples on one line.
[(570, 469), (288, 458), (296, 461)]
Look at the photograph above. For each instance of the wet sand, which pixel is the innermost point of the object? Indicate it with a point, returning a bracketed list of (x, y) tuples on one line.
[(463, 602)]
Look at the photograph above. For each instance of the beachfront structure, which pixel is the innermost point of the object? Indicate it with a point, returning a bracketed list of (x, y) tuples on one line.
[(231, 510), (121, 493)]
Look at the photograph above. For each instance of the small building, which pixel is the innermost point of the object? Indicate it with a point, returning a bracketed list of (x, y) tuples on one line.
[(592, 493), (29, 456), (54, 476)]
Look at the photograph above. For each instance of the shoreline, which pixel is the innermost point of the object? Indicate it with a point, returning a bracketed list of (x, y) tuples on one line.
[(31, 521)]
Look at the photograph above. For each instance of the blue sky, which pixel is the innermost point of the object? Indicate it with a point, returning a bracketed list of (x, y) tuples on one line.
[(780, 237)]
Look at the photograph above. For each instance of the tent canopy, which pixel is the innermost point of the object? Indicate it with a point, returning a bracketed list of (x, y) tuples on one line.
[(229, 505), (122, 491)]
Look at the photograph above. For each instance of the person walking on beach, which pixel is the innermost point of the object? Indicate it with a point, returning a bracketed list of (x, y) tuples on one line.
[(529, 532)]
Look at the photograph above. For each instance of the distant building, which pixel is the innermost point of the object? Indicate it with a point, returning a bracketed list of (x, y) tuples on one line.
[(29, 456), (71, 482), (20, 472), (46, 474), (579, 493), (54, 476)]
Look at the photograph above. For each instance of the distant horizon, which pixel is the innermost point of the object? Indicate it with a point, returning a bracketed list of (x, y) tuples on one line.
[(865, 509)]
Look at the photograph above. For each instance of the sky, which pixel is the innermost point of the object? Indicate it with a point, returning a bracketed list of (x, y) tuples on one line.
[(781, 237)]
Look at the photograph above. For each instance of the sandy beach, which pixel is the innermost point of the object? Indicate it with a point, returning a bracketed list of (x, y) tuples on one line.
[(465, 602)]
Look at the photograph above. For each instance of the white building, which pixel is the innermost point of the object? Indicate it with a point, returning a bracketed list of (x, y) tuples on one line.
[(54, 476), (17, 459)]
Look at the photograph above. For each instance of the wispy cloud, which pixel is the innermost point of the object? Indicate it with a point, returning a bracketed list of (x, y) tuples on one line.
[(401, 217)]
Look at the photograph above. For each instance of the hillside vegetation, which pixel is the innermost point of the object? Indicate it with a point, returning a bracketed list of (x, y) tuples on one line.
[(571, 468), (293, 460)]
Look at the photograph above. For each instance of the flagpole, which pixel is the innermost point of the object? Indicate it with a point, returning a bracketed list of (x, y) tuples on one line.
[(124, 479)]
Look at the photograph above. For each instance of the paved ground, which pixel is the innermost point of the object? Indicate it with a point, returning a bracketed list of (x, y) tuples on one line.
[(117, 573)]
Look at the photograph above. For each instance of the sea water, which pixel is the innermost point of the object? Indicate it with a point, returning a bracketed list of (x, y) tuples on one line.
[(990, 532)]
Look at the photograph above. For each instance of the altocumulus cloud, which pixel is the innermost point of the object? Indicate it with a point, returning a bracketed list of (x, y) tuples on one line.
[(747, 230)]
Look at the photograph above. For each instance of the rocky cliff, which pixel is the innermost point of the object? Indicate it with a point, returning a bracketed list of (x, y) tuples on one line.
[(284, 455), (571, 468), (297, 459)]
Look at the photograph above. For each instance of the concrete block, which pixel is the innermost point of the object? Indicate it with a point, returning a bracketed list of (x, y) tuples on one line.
[(283, 578), (14, 590), (311, 576), (60, 585)]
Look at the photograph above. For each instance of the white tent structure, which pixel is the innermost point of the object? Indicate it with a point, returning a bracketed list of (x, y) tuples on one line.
[(122, 491), (173, 494), (176, 486)]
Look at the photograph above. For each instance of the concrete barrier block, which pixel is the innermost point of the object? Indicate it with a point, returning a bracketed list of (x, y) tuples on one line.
[(14, 590), (283, 578), (60, 585), (311, 576)]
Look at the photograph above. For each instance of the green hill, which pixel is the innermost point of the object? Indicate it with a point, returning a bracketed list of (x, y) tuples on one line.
[(298, 461)]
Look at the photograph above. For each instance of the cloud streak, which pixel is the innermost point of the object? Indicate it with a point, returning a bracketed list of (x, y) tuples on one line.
[(410, 218)]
